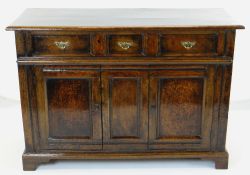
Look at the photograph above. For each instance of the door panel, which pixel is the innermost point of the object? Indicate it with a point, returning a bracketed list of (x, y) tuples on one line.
[(64, 96), (70, 111), (124, 108), (180, 111), (179, 108), (125, 116)]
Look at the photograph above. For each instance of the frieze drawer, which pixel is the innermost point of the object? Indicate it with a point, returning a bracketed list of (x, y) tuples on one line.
[(60, 45), (188, 44)]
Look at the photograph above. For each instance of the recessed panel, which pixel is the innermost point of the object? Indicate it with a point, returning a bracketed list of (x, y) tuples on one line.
[(124, 108), (68, 108), (180, 108)]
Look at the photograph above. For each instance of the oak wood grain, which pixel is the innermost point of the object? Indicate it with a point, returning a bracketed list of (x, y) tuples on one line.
[(151, 97), (101, 19)]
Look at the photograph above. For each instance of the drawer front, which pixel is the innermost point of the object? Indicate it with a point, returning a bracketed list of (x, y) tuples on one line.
[(188, 44), (56, 45), (125, 45)]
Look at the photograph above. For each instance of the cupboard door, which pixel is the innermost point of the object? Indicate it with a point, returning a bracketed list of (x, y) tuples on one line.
[(69, 108), (125, 109), (180, 103)]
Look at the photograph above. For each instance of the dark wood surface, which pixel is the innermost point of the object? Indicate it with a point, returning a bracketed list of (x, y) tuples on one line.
[(165, 43), (125, 109), (117, 44), (34, 19), (68, 119), (204, 44), (145, 87), (48, 45)]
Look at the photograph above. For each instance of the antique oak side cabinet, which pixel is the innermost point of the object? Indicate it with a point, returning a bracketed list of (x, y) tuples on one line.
[(124, 83)]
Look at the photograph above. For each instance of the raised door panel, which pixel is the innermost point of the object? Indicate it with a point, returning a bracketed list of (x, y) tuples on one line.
[(180, 109), (69, 107), (125, 116)]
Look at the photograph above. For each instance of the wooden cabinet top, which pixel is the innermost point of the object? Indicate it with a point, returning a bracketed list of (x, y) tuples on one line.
[(96, 19)]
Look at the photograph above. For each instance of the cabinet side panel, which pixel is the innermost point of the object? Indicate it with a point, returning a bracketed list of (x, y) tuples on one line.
[(20, 43), (25, 104), (216, 105), (224, 107), (230, 40)]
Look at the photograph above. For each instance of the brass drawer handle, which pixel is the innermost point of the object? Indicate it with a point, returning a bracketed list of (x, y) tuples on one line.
[(62, 44), (124, 44), (188, 44)]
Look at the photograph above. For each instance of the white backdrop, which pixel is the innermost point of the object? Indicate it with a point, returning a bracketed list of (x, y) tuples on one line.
[(12, 145)]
